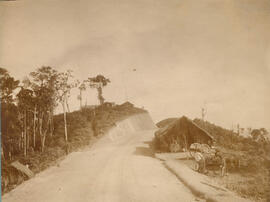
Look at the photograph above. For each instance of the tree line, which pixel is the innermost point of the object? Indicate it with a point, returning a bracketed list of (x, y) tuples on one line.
[(27, 106)]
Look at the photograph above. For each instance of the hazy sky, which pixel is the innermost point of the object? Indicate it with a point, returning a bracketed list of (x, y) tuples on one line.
[(187, 53)]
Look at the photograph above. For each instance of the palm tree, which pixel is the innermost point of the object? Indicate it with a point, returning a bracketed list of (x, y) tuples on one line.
[(99, 82)]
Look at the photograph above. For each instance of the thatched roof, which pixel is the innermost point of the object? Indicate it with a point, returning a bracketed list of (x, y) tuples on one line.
[(184, 131), (22, 168), (205, 132), (166, 122)]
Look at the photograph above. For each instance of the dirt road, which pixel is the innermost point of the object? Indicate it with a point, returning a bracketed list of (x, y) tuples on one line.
[(115, 169)]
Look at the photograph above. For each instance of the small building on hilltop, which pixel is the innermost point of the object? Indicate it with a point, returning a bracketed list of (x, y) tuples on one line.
[(182, 132), (108, 104), (127, 105)]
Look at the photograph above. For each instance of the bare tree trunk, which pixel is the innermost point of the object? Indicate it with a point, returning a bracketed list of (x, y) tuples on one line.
[(34, 138), (42, 138), (43, 132), (19, 145), (80, 99), (24, 138), (65, 120), (27, 131), (2, 152), (40, 132), (67, 106), (100, 97), (52, 122)]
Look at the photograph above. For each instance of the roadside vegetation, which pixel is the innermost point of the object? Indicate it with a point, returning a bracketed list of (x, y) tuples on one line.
[(247, 159), (33, 135), (251, 179)]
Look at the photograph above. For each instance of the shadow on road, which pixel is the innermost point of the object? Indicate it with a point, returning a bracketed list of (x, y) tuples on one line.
[(145, 150)]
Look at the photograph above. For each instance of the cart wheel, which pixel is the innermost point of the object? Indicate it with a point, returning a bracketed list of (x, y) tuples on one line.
[(197, 166)]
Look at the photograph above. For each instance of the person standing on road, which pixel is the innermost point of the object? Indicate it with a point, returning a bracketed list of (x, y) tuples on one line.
[(199, 158)]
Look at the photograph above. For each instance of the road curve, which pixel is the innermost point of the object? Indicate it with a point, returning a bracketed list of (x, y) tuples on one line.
[(115, 169)]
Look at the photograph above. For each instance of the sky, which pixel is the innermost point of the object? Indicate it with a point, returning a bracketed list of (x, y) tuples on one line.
[(188, 54)]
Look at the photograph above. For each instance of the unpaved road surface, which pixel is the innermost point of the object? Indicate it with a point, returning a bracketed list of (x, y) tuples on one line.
[(115, 169)]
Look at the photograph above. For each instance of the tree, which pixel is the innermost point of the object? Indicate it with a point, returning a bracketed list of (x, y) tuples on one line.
[(8, 85), (260, 135), (99, 82), (10, 129), (82, 87), (45, 77), (43, 83), (25, 104), (9, 113), (64, 85)]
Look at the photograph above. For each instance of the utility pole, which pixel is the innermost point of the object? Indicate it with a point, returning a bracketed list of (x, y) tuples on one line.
[(238, 129), (203, 113)]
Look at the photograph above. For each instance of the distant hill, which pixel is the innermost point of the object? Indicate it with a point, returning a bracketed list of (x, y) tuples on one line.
[(166, 122)]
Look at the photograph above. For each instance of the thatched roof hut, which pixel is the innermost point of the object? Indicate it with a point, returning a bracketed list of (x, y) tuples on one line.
[(183, 132)]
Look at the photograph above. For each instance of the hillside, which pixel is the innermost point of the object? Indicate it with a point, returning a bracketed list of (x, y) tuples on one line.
[(84, 128), (251, 177)]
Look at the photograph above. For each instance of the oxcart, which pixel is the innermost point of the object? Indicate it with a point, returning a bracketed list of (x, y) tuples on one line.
[(207, 158)]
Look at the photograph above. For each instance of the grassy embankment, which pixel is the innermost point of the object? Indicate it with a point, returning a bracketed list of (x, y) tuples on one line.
[(84, 128)]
